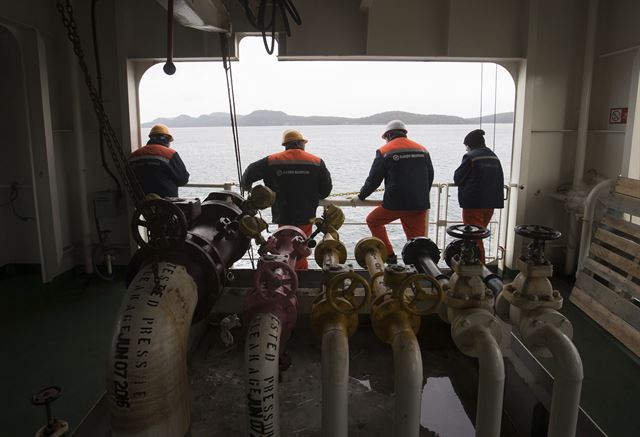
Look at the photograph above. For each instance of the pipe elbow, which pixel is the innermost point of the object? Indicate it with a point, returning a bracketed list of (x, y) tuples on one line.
[(147, 381)]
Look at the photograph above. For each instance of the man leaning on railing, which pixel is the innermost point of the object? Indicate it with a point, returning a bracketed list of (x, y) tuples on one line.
[(480, 183), (407, 171)]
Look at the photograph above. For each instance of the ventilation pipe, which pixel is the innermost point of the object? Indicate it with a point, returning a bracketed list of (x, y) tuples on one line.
[(583, 129), (173, 280), (81, 176), (270, 311)]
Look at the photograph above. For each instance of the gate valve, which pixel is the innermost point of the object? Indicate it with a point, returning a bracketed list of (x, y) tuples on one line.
[(531, 289), (340, 290), (275, 277), (539, 234), (54, 427), (469, 253), (165, 224)]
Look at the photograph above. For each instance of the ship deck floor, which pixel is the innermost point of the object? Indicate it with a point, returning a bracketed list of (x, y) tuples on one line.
[(59, 334)]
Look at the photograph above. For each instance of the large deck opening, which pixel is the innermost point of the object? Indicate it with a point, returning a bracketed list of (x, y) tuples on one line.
[(440, 101)]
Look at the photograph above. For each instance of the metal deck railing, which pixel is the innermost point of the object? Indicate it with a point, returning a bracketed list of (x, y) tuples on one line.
[(444, 212)]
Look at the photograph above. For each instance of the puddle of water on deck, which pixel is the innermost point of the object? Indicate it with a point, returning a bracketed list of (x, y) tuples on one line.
[(442, 411)]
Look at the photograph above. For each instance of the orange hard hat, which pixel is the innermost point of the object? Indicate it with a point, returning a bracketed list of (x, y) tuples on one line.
[(292, 135), (161, 129)]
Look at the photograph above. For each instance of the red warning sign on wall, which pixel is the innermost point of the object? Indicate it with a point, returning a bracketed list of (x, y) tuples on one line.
[(618, 115)]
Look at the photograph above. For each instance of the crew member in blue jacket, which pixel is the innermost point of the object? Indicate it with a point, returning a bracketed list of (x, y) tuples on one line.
[(480, 183), (157, 166), (407, 171)]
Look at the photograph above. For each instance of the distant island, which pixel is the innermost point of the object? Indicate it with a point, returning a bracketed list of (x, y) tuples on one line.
[(279, 118)]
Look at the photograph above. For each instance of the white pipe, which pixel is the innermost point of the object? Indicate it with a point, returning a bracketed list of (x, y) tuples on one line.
[(567, 384), (335, 381), (572, 245), (407, 362), (585, 96), (147, 380), (491, 384), (587, 217), (81, 167), (261, 378), (583, 129)]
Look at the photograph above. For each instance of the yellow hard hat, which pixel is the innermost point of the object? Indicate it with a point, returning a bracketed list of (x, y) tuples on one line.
[(292, 135), (160, 129)]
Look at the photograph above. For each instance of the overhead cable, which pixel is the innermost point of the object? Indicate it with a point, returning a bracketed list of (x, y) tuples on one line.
[(226, 64), (286, 9)]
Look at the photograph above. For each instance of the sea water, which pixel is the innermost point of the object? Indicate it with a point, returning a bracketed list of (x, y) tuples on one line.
[(347, 150)]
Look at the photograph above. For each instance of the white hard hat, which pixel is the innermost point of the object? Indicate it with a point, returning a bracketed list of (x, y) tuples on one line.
[(394, 125)]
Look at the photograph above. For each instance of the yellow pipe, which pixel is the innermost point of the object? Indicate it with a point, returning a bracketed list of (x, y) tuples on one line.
[(395, 325), (334, 323)]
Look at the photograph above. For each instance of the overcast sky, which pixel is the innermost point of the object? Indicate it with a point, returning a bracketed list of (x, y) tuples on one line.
[(340, 88)]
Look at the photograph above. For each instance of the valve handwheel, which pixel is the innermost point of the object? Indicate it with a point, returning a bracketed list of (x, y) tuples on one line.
[(165, 224), (342, 287), (273, 276), (468, 232), (46, 395), (538, 232), (413, 295)]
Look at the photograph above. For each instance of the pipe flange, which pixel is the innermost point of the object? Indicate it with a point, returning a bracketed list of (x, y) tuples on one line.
[(466, 321), (529, 302), (418, 247), (225, 196), (323, 313), (330, 245), (366, 245)]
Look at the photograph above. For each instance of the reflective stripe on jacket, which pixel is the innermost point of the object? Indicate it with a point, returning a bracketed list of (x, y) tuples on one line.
[(407, 171), (159, 170), (480, 180), (299, 180)]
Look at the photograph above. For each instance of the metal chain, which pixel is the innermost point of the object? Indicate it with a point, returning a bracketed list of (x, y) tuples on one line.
[(352, 193), (125, 172), (127, 177)]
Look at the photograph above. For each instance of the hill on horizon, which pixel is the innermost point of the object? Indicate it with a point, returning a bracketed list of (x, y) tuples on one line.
[(266, 117)]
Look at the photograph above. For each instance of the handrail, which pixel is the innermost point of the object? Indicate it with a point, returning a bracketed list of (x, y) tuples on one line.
[(439, 212)]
